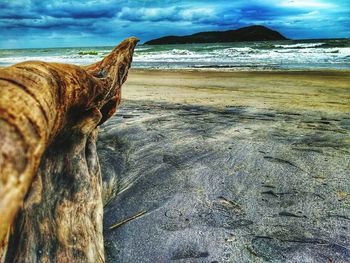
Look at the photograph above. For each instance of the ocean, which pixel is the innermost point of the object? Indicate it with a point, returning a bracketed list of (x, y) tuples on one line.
[(275, 55)]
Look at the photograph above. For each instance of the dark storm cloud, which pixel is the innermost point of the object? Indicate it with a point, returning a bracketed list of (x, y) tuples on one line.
[(41, 22), (77, 9)]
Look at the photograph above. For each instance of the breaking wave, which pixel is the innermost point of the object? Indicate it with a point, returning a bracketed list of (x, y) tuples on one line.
[(255, 55)]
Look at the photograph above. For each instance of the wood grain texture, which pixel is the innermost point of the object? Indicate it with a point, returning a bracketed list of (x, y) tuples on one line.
[(49, 114)]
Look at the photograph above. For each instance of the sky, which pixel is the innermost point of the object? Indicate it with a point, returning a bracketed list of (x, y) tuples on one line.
[(78, 23)]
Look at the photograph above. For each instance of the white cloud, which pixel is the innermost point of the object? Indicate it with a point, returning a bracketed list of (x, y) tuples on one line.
[(166, 13), (189, 14)]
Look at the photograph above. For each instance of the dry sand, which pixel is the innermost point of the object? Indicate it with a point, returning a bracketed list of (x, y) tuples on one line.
[(327, 91)]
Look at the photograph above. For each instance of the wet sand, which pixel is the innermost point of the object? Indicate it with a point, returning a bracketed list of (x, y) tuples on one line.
[(229, 167)]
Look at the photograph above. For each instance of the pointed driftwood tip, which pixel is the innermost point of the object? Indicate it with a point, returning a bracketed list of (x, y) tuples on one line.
[(120, 55), (133, 39), (128, 43)]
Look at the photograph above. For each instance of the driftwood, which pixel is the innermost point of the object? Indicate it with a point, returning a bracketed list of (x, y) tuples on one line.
[(50, 182)]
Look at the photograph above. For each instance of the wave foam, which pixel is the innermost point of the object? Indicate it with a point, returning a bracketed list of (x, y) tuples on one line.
[(304, 45)]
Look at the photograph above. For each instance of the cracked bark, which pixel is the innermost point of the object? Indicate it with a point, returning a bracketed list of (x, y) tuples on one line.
[(50, 181)]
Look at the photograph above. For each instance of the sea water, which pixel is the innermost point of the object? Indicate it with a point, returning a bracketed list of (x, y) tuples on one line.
[(271, 55)]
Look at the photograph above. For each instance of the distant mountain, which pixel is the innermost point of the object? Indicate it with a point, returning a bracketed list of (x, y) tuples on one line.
[(250, 33)]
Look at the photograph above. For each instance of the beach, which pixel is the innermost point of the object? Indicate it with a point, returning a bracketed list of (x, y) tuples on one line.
[(325, 91), (227, 166)]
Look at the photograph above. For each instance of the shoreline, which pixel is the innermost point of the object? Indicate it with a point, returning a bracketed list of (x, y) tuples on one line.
[(239, 69), (229, 69)]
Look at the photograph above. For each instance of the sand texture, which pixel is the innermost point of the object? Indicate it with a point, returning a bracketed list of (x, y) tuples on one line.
[(229, 167)]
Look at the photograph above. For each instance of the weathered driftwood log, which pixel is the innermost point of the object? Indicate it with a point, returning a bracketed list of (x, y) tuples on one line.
[(49, 171)]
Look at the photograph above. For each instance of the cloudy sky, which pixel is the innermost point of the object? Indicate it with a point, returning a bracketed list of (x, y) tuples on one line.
[(64, 23)]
